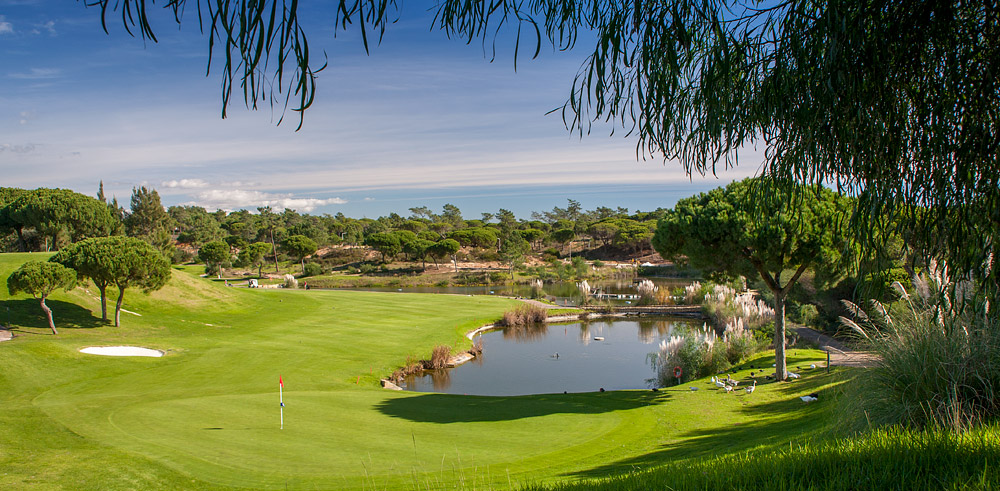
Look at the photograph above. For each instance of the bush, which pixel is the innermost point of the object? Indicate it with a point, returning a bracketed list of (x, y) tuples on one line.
[(550, 254), (699, 353), (523, 315), (938, 361), (439, 358), (367, 268), (312, 269), (291, 282), (181, 256)]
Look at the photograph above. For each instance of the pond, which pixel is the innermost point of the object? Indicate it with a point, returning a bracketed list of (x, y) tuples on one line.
[(560, 292), (606, 353)]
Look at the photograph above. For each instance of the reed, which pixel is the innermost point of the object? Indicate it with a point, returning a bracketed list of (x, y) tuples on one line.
[(523, 315)]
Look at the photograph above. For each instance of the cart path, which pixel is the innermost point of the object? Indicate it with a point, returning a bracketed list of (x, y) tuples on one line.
[(840, 354)]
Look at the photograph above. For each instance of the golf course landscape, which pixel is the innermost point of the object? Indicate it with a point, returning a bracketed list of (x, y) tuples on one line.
[(206, 415)]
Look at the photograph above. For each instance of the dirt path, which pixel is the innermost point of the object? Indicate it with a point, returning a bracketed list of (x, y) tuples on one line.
[(840, 354), (5, 335)]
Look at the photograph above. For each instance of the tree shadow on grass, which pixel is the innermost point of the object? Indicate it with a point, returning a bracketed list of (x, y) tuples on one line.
[(449, 408), (772, 424), (27, 313)]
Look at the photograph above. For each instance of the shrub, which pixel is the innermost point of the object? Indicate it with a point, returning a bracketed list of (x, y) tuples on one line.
[(647, 292), (181, 256), (598, 263), (550, 254), (523, 315), (807, 315), (312, 269), (698, 352), (537, 289), (938, 358), (439, 358), (291, 282), (367, 268)]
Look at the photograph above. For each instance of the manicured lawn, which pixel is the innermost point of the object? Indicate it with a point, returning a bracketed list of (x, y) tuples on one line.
[(206, 414)]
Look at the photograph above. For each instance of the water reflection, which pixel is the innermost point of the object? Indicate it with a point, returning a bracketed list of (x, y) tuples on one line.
[(525, 334), (583, 357)]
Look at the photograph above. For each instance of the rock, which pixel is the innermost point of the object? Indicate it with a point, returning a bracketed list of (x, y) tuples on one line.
[(386, 384)]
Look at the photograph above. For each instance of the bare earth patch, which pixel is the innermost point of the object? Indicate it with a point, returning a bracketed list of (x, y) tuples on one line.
[(121, 351)]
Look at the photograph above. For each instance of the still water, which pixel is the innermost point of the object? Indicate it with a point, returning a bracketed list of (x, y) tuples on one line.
[(610, 354)]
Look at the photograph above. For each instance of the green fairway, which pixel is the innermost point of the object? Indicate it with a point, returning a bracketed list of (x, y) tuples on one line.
[(206, 414)]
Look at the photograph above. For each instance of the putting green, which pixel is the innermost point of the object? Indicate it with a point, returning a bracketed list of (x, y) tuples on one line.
[(206, 414)]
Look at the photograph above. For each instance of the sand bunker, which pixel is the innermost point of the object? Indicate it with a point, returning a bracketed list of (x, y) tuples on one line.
[(121, 351)]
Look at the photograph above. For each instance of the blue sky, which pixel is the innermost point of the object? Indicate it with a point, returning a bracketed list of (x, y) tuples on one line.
[(422, 121)]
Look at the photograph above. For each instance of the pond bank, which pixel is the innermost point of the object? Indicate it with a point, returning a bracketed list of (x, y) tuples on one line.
[(554, 316)]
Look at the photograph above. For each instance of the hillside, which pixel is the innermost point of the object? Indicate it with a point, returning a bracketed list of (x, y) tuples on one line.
[(206, 414)]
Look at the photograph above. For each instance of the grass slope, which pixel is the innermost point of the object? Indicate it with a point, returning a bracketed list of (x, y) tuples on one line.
[(206, 415)]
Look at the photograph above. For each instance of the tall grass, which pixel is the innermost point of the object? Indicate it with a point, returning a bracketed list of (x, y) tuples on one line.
[(523, 315), (647, 292), (537, 288), (698, 352), (725, 306), (939, 359), (883, 459), (439, 358), (701, 353)]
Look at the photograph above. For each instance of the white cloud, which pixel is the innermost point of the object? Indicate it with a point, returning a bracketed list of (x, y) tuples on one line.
[(49, 26), (5, 27), (26, 148), (185, 184), (37, 74), (234, 199), (369, 198)]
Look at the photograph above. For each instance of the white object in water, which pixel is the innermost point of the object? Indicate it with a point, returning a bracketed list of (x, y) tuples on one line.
[(121, 351), (598, 338)]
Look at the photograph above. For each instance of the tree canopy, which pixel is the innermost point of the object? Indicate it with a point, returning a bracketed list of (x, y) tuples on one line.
[(739, 230), (58, 215), (214, 254), (299, 246), (40, 279), (116, 261), (895, 102)]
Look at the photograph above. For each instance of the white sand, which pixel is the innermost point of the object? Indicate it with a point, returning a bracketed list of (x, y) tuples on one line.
[(121, 351)]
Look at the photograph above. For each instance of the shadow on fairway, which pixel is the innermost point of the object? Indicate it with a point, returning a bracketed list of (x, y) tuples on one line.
[(28, 313), (448, 408), (772, 424)]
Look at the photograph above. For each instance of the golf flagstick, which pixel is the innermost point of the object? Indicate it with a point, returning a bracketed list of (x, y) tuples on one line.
[(281, 402)]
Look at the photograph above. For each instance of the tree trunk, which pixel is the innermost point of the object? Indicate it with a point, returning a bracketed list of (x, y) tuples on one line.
[(454, 260), (260, 269), (780, 369), (48, 313), (275, 250), (22, 246), (303, 261), (118, 306), (104, 302)]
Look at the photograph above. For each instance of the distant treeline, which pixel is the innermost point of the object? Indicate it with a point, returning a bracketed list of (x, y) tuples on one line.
[(48, 219)]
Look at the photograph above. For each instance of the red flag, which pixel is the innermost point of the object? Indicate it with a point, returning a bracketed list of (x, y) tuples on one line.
[(280, 382)]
